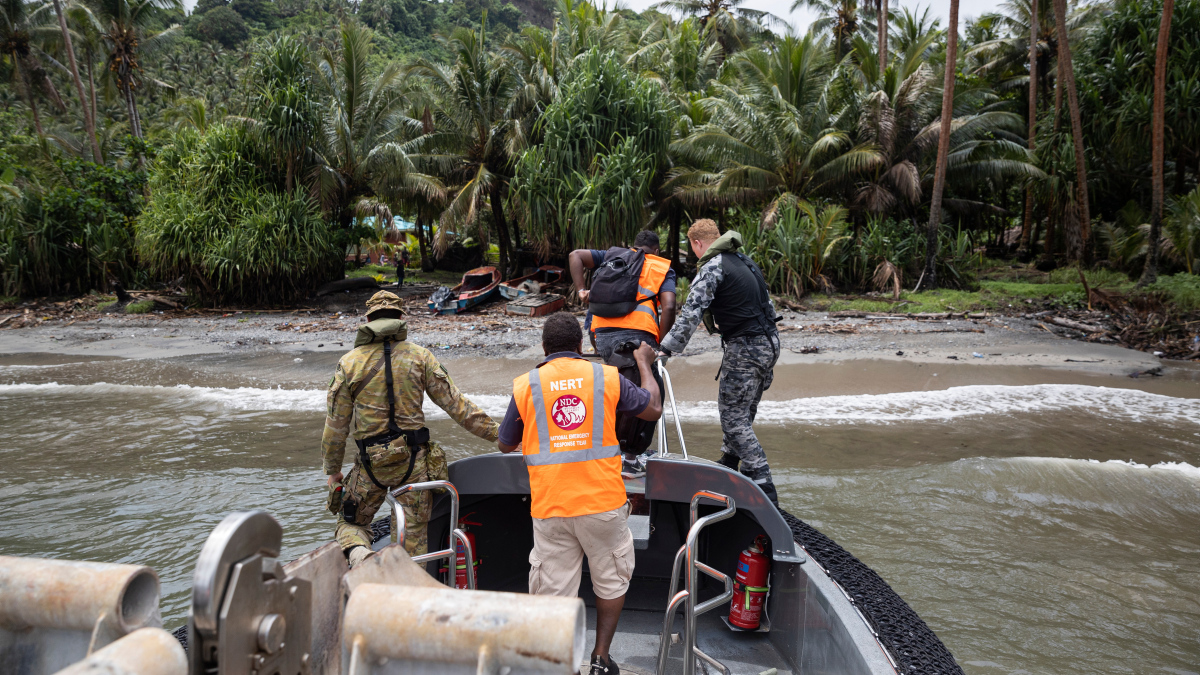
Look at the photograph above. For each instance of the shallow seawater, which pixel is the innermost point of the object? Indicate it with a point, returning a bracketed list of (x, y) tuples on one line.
[(1039, 528)]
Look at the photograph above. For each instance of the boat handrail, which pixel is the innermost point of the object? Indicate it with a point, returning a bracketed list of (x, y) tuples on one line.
[(661, 364), (456, 534), (687, 555)]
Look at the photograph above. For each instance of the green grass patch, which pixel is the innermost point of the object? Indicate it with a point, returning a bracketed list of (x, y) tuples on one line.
[(992, 296), (6, 300), (1182, 290), (371, 271), (105, 306), (139, 307)]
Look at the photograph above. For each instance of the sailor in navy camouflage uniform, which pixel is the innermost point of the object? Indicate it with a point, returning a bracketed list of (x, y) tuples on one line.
[(730, 289)]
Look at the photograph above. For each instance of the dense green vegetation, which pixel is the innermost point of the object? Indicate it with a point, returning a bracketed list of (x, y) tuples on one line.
[(243, 149)]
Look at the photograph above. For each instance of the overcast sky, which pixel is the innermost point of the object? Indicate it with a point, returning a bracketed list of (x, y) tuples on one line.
[(801, 19)]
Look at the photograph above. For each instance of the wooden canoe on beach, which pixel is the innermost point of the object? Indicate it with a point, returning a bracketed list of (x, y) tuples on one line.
[(476, 287), (545, 275)]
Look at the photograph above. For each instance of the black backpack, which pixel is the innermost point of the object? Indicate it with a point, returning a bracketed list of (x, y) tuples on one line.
[(615, 283)]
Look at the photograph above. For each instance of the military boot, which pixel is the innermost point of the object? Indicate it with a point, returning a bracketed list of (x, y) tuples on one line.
[(359, 554)]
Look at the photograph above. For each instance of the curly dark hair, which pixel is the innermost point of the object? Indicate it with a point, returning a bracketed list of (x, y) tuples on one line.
[(561, 333), (646, 238)]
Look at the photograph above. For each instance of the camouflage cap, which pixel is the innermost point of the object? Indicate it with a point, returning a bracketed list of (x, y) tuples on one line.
[(384, 300)]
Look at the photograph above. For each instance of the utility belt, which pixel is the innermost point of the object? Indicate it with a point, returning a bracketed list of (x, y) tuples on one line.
[(415, 439)]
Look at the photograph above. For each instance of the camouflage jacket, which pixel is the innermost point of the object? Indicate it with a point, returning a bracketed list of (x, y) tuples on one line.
[(416, 372), (700, 295)]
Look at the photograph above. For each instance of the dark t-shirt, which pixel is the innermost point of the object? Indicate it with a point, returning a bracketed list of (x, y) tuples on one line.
[(633, 401)]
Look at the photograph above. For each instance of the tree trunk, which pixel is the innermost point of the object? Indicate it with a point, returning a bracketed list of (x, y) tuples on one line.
[(291, 168), (135, 123), (1027, 221), (501, 227), (673, 240), (92, 88), (881, 27), (422, 246), (1180, 171), (1081, 187), (1058, 85), (943, 151), (27, 92), (1150, 271), (89, 123)]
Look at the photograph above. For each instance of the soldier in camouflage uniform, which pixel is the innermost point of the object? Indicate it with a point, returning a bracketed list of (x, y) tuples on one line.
[(730, 295), (358, 391)]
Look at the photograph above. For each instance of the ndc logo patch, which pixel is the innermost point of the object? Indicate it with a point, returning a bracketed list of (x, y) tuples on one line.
[(568, 412)]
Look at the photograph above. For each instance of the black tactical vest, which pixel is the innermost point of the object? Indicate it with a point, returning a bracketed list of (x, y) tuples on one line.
[(741, 304)]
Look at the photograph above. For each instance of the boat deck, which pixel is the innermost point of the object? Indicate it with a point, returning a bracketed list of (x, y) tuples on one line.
[(635, 646)]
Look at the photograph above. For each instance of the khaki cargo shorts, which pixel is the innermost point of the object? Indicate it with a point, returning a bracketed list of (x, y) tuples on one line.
[(559, 544)]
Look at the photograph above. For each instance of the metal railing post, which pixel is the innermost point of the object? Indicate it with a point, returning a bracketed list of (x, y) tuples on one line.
[(662, 447), (687, 555), (456, 534)]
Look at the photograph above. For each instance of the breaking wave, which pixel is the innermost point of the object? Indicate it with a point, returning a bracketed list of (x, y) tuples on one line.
[(916, 406)]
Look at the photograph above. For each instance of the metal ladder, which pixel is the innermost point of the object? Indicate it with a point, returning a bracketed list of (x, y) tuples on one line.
[(450, 554), (660, 363), (687, 556)]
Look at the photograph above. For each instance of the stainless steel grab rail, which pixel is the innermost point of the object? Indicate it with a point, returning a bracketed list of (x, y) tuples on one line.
[(660, 363), (687, 555), (456, 534)]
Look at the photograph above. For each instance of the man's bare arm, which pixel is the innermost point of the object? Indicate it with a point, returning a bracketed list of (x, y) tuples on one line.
[(645, 358), (579, 259), (666, 318)]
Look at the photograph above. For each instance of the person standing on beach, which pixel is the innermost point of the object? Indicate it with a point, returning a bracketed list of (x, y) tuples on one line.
[(653, 316), (401, 265), (394, 447), (730, 295)]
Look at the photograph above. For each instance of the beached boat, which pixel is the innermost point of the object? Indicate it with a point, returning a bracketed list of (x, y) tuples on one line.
[(824, 612), (476, 287), (535, 283), (537, 304)]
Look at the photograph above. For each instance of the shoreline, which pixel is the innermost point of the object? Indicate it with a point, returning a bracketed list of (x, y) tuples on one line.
[(823, 354)]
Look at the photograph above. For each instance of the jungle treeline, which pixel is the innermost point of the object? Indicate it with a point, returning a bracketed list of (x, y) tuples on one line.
[(241, 150)]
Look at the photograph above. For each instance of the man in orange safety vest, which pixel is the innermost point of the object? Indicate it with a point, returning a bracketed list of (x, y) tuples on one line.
[(562, 416)]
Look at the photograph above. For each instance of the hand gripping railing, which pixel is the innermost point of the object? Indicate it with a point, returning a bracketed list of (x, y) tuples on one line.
[(398, 526), (660, 363), (688, 595)]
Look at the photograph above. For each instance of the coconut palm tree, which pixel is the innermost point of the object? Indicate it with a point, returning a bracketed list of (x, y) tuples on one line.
[(943, 149), (476, 135), (20, 31), (1082, 207), (839, 17), (729, 23), (89, 123), (771, 141), (126, 35), (1150, 271), (364, 124), (677, 55)]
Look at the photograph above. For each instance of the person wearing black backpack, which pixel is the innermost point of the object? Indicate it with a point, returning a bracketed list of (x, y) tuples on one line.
[(631, 301), (731, 297)]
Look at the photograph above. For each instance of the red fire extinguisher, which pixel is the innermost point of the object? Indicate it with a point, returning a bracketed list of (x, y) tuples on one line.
[(460, 561), (750, 585)]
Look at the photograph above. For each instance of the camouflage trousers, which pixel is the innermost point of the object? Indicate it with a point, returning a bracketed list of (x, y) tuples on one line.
[(389, 462), (747, 370)]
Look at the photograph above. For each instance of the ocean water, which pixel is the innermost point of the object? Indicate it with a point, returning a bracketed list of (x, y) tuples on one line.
[(1038, 528)]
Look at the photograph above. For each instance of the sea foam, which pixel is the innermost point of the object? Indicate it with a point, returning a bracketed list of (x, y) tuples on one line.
[(914, 406)]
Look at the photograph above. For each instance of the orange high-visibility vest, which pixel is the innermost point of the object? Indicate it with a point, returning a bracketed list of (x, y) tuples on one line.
[(569, 407), (645, 317)]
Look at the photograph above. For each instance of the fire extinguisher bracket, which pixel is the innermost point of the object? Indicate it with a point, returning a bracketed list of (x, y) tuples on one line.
[(764, 625)]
